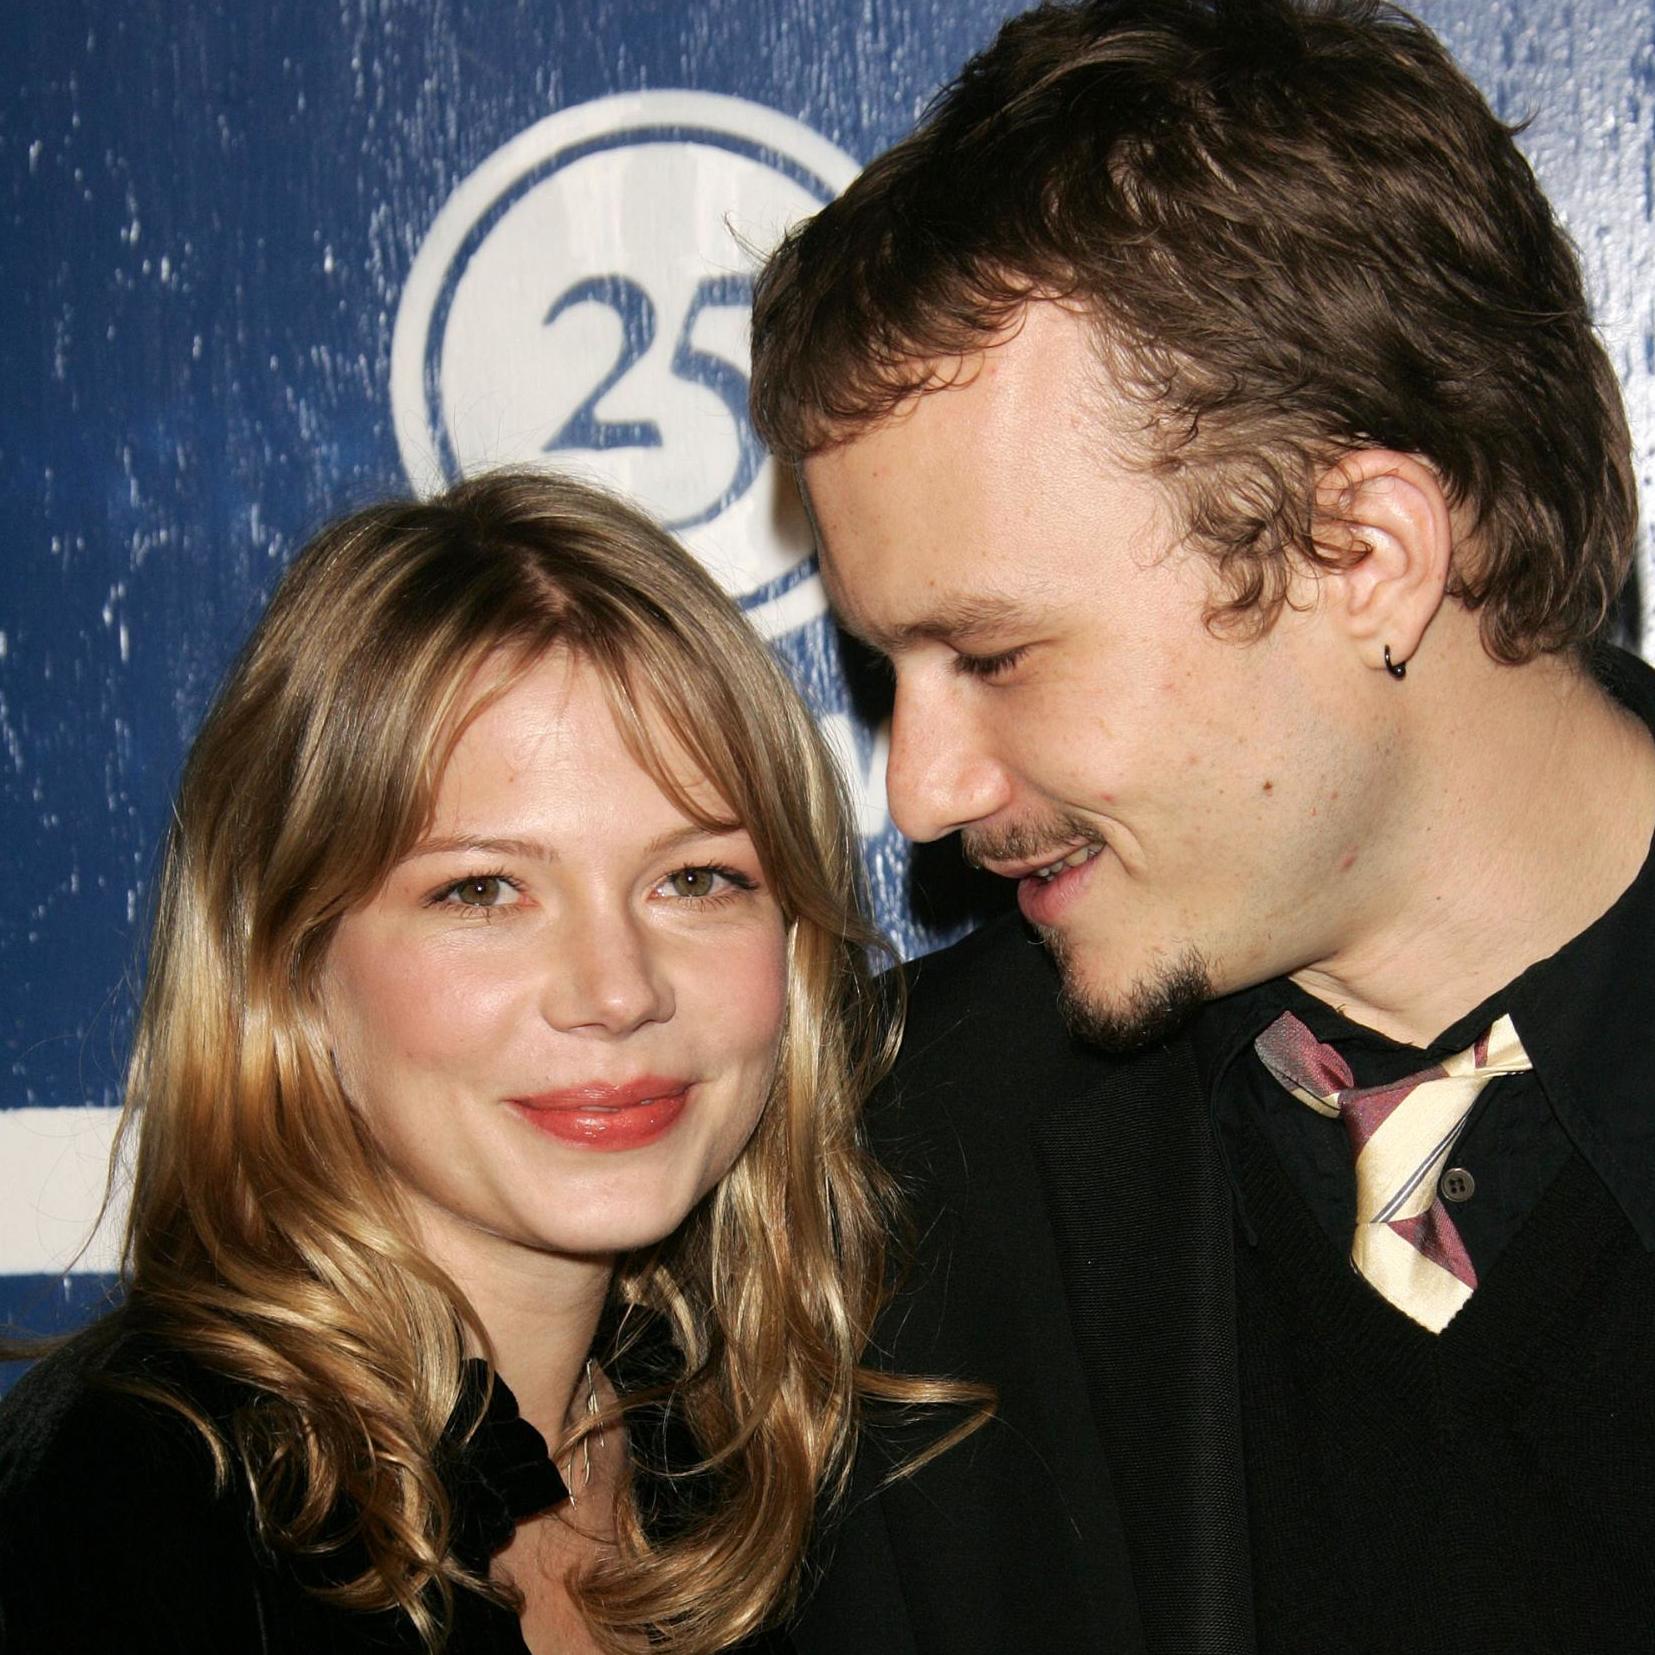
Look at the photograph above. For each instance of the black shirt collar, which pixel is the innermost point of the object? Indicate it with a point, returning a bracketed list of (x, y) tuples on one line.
[(1586, 1016), (496, 1467)]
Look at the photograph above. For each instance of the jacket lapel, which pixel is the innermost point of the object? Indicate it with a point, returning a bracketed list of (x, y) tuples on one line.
[(1140, 1213)]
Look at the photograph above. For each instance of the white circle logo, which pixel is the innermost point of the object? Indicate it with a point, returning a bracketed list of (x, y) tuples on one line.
[(582, 301)]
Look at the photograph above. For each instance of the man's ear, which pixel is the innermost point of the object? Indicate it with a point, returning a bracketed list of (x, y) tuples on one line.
[(1385, 516)]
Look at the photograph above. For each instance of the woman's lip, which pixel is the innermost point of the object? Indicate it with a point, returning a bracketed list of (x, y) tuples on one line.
[(606, 1125), (604, 1094)]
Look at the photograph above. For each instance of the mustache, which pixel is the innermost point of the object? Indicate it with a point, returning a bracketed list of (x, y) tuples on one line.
[(1029, 838)]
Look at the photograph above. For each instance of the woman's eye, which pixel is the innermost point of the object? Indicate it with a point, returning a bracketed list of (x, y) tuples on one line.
[(484, 890), (693, 882), (698, 883)]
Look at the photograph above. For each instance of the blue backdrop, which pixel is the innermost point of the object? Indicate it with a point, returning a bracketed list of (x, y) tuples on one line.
[(264, 263)]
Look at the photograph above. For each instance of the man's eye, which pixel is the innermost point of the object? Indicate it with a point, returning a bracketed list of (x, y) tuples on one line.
[(987, 666)]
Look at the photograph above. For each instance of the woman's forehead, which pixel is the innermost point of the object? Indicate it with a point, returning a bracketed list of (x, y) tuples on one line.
[(560, 712)]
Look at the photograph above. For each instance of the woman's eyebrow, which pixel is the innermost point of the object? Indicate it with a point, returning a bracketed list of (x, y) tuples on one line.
[(688, 834), (541, 850), (528, 849)]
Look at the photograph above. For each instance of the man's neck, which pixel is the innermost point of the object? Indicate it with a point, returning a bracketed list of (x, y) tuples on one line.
[(1533, 806)]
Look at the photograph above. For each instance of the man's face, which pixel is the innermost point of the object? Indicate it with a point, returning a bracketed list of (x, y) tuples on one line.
[(1186, 812)]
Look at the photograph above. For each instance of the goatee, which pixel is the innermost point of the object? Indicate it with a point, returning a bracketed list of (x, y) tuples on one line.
[(1155, 1008)]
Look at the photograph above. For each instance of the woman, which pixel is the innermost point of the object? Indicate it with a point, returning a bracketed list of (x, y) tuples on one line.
[(506, 1022)]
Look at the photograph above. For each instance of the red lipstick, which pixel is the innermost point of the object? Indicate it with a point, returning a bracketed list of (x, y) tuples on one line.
[(598, 1115)]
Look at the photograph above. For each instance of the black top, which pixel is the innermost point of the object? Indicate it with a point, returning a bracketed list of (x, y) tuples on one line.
[(1074, 1236), (1486, 1488), (113, 1538), (1071, 1244), (1584, 1019), (1482, 1491)]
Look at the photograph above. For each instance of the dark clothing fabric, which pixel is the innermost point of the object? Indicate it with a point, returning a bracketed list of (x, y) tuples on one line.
[(1485, 1488), (1585, 1015), (1071, 1245), (1404, 1462), (1482, 1489), (1173, 1331), (114, 1541)]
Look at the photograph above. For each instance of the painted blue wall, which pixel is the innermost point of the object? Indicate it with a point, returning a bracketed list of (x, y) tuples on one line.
[(210, 215)]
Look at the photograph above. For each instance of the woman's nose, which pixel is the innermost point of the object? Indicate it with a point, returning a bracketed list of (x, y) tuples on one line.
[(606, 975)]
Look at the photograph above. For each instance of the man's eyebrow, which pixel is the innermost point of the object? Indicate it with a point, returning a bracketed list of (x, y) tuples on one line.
[(955, 621)]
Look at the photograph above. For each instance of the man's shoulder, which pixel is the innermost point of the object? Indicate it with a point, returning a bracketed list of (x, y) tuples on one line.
[(1000, 960), (997, 984), (991, 1004), (986, 1044)]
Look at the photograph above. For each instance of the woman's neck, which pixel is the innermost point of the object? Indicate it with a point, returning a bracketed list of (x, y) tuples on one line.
[(540, 1312)]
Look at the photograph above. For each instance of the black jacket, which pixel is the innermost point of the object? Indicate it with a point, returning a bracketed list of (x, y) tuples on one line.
[(1073, 1248), (115, 1540)]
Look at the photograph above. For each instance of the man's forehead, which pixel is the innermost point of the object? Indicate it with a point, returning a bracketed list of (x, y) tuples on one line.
[(964, 512), (986, 422), (902, 594), (889, 487)]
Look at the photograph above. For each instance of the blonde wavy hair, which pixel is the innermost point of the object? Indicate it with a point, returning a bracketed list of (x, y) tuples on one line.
[(265, 1238)]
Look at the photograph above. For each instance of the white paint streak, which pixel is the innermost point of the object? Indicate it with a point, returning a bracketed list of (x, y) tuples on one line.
[(866, 782), (56, 1162)]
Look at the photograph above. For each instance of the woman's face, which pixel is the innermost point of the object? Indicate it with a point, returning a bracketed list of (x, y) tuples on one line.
[(560, 1013)]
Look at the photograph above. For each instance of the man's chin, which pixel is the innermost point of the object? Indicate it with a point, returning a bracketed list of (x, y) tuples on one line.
[(1152, 1009)]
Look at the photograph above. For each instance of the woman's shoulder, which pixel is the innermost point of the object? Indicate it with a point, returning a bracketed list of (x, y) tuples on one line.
[(115, 1531), (89, 1422)]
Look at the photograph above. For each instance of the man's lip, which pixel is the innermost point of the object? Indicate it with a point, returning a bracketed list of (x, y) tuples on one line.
[(1044, 902), (1026, 865), (593, 1095)]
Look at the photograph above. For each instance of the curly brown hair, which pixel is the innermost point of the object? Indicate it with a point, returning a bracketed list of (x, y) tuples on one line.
[(1300, 229)]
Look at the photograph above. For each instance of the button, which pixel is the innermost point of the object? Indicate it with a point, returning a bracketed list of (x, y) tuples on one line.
[(1458, 1184)]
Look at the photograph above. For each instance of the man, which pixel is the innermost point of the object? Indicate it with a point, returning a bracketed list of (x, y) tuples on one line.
[(1200, 411)]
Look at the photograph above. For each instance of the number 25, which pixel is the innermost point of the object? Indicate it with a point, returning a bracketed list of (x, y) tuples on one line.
[(636, 312)]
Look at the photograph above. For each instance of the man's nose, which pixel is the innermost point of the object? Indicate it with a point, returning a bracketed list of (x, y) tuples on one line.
[(943, 773)]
